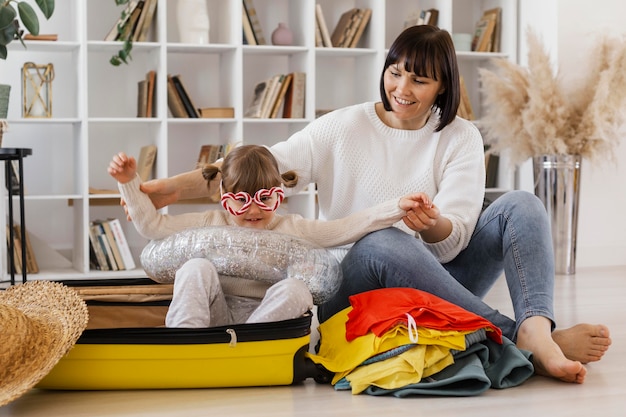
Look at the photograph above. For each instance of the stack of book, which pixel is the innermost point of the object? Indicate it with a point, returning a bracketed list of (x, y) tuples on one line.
[(178, 99), (281, 94), (108, 248), (347, 32), (135, 22)]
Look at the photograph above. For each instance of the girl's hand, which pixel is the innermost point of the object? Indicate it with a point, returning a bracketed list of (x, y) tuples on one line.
[(123, 168)]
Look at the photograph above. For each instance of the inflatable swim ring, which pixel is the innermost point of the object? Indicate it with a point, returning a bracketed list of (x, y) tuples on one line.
[(260, 255)]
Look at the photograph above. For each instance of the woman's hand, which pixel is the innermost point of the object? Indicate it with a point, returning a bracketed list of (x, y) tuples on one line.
[(421, 213)]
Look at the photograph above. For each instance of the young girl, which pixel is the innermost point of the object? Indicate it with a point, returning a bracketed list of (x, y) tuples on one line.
[(251, 191)]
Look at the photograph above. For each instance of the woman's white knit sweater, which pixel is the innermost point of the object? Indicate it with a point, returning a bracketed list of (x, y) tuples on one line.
[(357, 162)]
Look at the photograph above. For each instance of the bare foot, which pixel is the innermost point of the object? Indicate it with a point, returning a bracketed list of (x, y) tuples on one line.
[(548, 359), (583, 342)]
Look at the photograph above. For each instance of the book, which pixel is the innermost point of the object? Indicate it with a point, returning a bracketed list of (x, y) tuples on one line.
[(343, 26), (294, 96), (270, 97), (140, 34), (433, 18), (319, 42), (254, 22), (174, 101), (190, 108), (32, 267), (496, 12), (321, 22), (122, 243), (142, 98), (121, 21), (254, 108), (40, 37), (151, 97), (465, 106), (145, 162), (492, 160), (115, 251), (281, 95), (485, 41), (365, 18), (248, 33), (129, 27), (217, 112), (94, 240), (355, 22)]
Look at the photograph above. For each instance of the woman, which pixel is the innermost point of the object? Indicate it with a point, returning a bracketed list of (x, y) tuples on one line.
[(412, 141)]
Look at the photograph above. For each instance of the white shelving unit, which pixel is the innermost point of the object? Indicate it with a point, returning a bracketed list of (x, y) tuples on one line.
[(94, 103)]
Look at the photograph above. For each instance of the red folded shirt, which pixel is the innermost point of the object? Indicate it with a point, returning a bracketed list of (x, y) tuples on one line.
[(377, 311)]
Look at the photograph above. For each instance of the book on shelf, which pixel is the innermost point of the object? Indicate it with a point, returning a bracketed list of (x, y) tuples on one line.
[(115, 250), (32, 267), (254, 22), (94, 242), (174, 101), (483, 33), (280, 99), (40, 37), (142, 98), (217, 112), (190, 107), (210, 153), (146, 161), (122, 243), (365, 16), (103, 242), (109, 246), (140, 34), (496, 15), (254, 109), (465, 106), (131, 24), (151, 96), (248, 33), (270, 98), (320, 20), (295, 96), (338, 36), (492, 160), (121, 21)]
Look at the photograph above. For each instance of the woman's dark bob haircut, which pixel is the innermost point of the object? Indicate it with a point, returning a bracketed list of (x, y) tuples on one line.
[(428, 51)]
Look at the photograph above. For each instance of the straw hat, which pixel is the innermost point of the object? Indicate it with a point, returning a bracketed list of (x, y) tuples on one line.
[(39, 323)]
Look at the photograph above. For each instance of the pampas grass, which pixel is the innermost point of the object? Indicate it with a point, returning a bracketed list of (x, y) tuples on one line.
[(533, 112)]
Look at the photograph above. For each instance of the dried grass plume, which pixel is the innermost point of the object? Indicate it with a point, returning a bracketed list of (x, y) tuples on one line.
[(532, 111)]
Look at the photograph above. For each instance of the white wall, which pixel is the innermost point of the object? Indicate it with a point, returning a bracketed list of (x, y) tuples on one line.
[(602, 216)]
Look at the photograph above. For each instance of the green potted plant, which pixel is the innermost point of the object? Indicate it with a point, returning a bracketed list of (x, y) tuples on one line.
[(10, 28)]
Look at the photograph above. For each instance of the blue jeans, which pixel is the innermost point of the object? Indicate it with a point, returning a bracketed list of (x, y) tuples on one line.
[(512, 235)]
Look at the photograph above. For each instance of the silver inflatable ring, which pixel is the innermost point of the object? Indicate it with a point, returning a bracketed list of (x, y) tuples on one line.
[(260, 255)]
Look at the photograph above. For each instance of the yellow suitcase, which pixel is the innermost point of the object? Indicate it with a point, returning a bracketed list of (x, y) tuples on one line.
[(155, 357)]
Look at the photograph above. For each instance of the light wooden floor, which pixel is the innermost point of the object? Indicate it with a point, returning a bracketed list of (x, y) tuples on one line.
[(596, 295)]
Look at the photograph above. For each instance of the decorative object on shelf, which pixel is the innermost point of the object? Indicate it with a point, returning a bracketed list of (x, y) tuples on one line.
[(5, 92), (10, 29), (37, 90), (536, 114), (193, 21), (282, 35)]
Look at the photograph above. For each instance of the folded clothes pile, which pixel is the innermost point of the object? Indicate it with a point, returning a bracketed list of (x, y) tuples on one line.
[(406, 342)]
